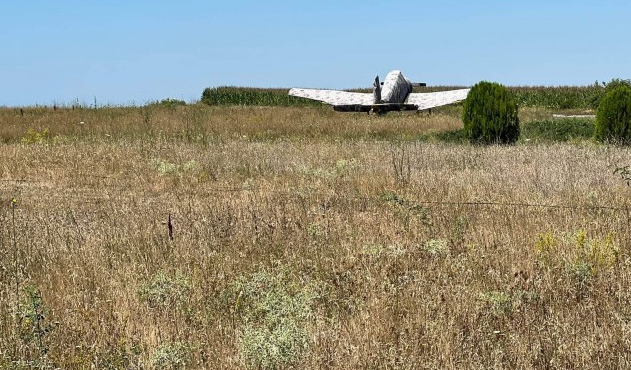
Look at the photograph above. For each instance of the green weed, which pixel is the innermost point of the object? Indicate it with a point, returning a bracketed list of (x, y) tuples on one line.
[(172, 356), (558, 130), (378, 250), (437, 247), (121, 356), (34, 328), (459, 229), (546, 248), (169, 168), (33, 136), (499, 302), (275, 311), (341, 168), (582, 258), (407, 210), (164, 290), (504, 303)]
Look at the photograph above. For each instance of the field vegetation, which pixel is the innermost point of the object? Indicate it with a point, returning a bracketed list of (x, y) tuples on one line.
[(490, 115), (192, 236), (613, 121), (559, 97)]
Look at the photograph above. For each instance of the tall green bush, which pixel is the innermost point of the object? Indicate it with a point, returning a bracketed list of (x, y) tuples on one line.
[(613, 118), (490, 115), (609, 87)]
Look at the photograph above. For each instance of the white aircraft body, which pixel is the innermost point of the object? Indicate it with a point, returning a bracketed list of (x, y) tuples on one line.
[(395, 94)]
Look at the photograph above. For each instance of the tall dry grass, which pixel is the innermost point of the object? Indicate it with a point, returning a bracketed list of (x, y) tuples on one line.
[(203, 124), (300, 229)]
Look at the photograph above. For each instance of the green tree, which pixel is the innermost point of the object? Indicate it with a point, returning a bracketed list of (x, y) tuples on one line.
[(609, 87), (490, 115), (613, 118)]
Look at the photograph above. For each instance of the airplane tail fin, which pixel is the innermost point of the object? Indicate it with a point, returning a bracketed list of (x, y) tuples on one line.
[(376, 91)]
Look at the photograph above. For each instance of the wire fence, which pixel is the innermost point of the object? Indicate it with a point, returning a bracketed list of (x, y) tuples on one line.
[(528, 205), (110, 200), (78, 193)]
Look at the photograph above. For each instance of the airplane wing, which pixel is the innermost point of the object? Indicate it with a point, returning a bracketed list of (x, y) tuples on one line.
[(436, 99), (334, 97)]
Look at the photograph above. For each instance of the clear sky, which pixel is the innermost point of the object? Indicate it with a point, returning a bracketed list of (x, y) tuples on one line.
[(135, 51)]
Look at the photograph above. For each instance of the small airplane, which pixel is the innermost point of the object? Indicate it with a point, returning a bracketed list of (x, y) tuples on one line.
[(395, 95)]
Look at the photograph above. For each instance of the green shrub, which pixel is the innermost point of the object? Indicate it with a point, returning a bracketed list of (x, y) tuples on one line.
[(169, 103), (609, 87), (613, 118), (490, 115)]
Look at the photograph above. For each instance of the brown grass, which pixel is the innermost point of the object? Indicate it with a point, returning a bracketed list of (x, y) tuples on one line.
[(314, 195), (203, 124)]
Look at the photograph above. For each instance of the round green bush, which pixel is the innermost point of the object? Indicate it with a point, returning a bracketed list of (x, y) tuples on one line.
[(490, 115), (613, 117)]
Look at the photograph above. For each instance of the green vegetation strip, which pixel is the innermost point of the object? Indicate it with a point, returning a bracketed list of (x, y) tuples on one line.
[(554, 97), (539, 131)]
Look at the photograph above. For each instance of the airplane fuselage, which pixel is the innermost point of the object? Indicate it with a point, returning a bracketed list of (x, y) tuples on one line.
[(395, 89)]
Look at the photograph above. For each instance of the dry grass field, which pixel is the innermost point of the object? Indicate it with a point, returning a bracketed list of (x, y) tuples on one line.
[(307, 239)]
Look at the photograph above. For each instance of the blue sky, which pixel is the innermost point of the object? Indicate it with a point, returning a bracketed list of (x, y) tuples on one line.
[(124, 52)]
